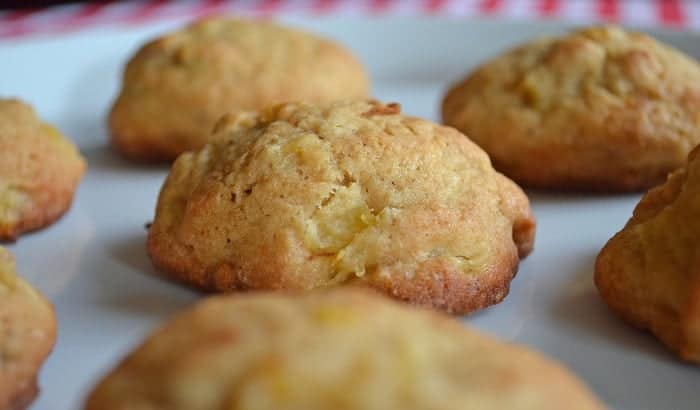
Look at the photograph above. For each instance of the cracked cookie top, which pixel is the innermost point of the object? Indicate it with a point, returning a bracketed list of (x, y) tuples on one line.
[(177, 86), (305, 196), (598, 109)]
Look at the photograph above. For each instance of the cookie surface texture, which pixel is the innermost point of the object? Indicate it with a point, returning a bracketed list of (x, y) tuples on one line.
[(39, 171), (27, 335), (600, 109), (177, 86), (305, 197), (343, 349), (649, 273)]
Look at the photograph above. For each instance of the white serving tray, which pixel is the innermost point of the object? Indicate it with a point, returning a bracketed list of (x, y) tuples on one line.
[(93, 264)]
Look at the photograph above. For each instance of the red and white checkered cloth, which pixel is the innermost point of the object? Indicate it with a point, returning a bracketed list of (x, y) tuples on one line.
[(675, 13)]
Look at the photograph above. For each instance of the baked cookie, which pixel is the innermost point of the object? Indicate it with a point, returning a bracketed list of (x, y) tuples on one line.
[(599, 109), (27, 335), (304, 197), (177, 86), (649, 273), (340, 349), (39, 171)]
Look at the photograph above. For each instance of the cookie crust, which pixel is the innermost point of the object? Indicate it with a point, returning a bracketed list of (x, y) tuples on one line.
[(305, 197), (338, 349), (177, 86), (600, 109), (27, 336), (649, 272), (39, 171)]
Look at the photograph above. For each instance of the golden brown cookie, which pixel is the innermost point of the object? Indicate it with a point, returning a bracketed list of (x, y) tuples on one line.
[(39, 171), (598, 109), (649, 273), (340, 349), (177, 86), (27, 335), (307, 196)]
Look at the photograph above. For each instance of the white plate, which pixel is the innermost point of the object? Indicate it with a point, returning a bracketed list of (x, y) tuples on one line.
[(94, 267)]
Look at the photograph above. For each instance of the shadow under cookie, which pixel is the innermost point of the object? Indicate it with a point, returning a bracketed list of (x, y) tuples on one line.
[(581, 310), (150, 297)]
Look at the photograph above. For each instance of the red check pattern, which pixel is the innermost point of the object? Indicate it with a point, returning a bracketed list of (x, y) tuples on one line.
[(675, 13)]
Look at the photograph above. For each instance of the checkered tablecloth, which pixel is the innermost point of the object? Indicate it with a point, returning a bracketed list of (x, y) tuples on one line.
[(650, 13)]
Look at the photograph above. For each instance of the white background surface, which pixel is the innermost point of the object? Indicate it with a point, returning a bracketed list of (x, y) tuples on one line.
[(93, 265)]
